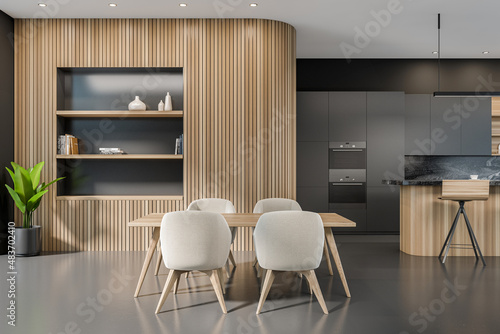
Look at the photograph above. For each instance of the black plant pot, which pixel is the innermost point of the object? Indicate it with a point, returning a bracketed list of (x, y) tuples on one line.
[(28, 241)]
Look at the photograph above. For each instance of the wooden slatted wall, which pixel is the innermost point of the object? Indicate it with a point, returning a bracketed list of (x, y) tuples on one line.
[(239, 107)]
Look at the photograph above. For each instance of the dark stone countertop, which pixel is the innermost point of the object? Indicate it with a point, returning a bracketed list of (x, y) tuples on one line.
[(425, 182)]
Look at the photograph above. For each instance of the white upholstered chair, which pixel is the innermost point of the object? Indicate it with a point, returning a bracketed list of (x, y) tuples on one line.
[(218, 205), (290, 241), (274, 204), (194, 241)]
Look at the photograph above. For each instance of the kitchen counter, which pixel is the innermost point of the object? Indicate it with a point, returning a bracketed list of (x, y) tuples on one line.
[(425, 182), (425, 220)]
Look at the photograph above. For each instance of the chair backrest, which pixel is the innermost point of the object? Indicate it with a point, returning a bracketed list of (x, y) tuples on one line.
[(289, 240), (218, 205), (193, 240), (276, 204), (465, 190)]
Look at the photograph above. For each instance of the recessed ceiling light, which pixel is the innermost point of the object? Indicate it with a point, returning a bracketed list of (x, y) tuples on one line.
[(485, 52), (183, 4), (112, 5), (434, 52), (253, 5), (42, 5)]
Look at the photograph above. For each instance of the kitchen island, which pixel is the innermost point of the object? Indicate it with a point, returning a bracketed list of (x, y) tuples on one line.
[(425, 220)]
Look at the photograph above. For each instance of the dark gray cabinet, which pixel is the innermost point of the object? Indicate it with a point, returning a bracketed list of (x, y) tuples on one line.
[(446, 125), (418, 124), (312, 151), (347, 116), (385, 158), (356, 213), (312, 116), (312, 164), (383, 209), (476, 126), (385, 137), (313, 199)]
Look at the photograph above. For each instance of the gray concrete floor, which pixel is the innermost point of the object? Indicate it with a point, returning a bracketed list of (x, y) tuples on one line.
[(92, 292)]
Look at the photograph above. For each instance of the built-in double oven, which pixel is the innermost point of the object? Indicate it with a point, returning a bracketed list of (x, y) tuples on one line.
[(347, 180)]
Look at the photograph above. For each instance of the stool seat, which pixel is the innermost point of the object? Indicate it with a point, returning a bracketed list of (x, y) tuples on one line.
[(463, 198), (462, 191)]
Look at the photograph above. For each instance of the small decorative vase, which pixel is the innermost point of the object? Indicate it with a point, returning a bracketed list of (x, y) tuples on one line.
[(168, 102), (161, 106), (136, 104)]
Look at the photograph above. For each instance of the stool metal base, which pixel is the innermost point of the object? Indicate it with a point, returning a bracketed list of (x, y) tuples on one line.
[(449, 238)]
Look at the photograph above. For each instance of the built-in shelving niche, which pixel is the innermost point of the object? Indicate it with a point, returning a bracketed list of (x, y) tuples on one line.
[(104, 88), (148, 139)]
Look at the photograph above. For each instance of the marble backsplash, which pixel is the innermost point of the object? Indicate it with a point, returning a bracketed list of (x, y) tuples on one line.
[(436, 168)]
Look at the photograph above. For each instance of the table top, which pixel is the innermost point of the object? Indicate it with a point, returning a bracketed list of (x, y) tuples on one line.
[(243, 220)]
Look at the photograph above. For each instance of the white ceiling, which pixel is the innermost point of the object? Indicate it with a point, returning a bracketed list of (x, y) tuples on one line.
[(323, 26)]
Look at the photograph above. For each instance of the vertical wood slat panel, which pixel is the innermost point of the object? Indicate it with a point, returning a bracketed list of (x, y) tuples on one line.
[(239, 104), (421, 235)]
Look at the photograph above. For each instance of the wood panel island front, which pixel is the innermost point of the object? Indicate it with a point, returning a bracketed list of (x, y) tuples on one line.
[(425, 220)]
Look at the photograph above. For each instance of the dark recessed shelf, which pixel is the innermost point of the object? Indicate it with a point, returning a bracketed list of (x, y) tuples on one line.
[(119, 113), (121, 156)]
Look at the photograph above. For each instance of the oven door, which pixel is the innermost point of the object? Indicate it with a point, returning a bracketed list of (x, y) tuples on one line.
[(342, 157), (347, 192)]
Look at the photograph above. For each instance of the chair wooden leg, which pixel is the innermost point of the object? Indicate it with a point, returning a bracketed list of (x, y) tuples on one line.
[(268, 281), (313, 283), (221, 279), (327, 257), (231, 258), (173, 275), (228, 272), (176, 286), (309, 286), (260, 272), (158, 261), (254, 262), (214, 278), (187, 274), (264, 272)]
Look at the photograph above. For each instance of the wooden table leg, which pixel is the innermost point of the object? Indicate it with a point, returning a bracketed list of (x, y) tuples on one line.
[(158, 260), (327, 257), (336, 258), (152, 246)]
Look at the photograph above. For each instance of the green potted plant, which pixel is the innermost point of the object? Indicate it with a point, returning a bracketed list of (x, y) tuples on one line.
[(27, 195)]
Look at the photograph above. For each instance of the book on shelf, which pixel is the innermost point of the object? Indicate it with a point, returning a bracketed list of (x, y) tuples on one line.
[(181, 144), (178, 145), (67, 144), (111, 150)]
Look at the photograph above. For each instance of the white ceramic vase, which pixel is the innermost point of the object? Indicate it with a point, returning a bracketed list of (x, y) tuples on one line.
[(136, 104), (161, 106), (168, 102)]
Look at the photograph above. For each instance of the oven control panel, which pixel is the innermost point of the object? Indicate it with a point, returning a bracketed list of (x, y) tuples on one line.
[(347, 175)]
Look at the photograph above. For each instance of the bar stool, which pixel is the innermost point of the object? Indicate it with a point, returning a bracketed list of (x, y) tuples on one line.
[(462, 191)]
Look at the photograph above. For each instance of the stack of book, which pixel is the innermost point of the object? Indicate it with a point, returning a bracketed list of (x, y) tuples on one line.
[(67, 144), (179, 142), (110, 150)]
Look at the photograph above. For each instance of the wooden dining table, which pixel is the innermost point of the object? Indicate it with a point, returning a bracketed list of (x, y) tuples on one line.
[(247, 220)]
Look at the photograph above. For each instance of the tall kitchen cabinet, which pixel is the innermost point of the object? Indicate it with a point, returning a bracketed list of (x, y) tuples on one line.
[(385, 147), (447, 126), (312, 151)]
